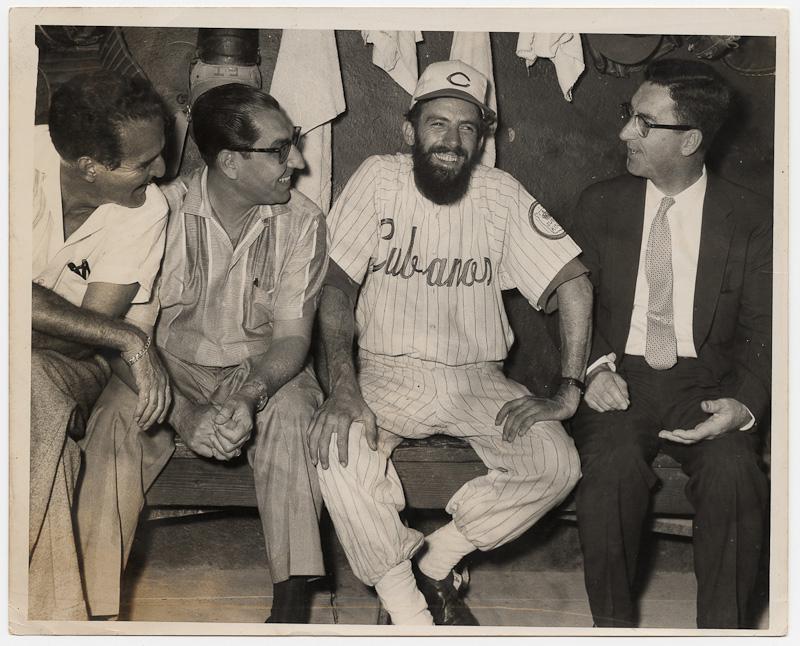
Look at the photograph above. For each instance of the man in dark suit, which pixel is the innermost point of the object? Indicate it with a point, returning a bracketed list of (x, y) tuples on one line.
[(681, 261)]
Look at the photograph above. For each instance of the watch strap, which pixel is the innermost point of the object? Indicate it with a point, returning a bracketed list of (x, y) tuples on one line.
[(261, 393), (571, 381)]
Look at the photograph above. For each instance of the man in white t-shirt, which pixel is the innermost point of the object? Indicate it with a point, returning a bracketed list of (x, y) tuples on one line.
[(431, 239), (98, 237)]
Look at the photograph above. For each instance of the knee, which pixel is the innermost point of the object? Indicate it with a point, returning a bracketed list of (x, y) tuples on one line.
[(294, 404), (568, 469), (43, 370), (559, 463), (615, 461), (335, 474), (730, 471), (616, 468), (364, 469), (118, 402)]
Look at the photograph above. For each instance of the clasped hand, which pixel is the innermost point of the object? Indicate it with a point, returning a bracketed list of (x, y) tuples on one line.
[(220, 432)]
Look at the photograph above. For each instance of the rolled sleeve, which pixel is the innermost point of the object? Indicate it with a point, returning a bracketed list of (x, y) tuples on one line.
[(134, 245), (548, 301)]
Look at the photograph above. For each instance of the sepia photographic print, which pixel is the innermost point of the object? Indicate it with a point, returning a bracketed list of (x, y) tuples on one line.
[(398, 321)]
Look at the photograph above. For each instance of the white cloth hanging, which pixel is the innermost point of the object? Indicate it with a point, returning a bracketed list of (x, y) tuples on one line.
[(474, 48), (565, 50), (308, 84), (395, 52)]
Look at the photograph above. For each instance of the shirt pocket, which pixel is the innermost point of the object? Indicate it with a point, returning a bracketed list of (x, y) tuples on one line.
[(259, 307), (71, 286), (259, 300)]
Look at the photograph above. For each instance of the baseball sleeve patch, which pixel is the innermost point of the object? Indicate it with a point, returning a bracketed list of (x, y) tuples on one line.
[(543, 223)]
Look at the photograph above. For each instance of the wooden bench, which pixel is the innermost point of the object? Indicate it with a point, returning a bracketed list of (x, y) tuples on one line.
[(431, 471)]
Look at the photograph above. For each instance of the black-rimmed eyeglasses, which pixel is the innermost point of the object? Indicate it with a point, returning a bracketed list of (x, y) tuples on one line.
[(642, 125), (282, 151)]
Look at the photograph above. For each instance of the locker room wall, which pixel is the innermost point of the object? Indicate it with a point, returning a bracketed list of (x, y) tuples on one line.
[(553, 147)]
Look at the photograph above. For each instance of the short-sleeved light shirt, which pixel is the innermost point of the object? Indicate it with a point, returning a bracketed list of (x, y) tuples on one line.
[(432, 274), (219, 303), (120, 245)]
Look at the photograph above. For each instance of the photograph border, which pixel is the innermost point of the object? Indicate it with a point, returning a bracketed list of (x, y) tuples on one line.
[(22, 52)]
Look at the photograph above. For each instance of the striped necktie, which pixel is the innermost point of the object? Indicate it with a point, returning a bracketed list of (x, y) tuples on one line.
[(661, 349)]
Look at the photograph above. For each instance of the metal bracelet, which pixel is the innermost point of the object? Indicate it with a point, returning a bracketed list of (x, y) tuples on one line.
[(571, 381), (139, 354)]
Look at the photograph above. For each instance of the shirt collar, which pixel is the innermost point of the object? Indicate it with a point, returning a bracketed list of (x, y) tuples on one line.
[(690, 194), (196, 201), (196, 197)]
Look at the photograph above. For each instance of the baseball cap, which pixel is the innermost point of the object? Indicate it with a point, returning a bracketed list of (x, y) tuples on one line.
[(454, 79)]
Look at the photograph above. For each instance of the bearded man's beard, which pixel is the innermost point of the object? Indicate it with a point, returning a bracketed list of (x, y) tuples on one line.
[(441, 185)]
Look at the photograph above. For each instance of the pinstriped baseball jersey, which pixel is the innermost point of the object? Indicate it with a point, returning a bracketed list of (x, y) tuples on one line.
[(432, 274)]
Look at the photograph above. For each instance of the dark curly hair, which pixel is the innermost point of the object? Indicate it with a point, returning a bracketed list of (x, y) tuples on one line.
[(703, 99), (224, 117), (88, 112)]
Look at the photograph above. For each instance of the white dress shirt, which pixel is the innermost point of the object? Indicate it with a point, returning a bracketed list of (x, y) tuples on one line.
[(685, 221)]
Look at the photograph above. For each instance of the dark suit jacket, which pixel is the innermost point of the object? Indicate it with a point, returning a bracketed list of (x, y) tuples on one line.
[(732, 320)]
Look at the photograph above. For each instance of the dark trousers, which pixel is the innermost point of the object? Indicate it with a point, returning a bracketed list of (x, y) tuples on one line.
[(727, 488)]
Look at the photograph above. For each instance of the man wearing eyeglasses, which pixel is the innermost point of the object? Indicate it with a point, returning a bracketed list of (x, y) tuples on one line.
[(681, 264), (244, 260)]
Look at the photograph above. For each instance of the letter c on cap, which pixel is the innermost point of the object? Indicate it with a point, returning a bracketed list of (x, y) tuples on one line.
[(452, 78)]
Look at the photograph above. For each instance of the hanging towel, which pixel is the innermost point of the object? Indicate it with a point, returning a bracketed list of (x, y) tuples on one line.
[(565, 50), (396, 53), (474, 48), (308, 84)]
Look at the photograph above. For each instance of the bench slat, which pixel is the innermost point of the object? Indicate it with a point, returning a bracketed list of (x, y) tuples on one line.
[(431, 470)]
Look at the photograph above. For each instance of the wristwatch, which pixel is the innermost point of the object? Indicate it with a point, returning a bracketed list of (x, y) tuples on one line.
[(571, 381), (261, 394)]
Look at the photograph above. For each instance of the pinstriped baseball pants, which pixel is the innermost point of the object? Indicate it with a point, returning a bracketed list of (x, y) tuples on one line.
[(415, 399)]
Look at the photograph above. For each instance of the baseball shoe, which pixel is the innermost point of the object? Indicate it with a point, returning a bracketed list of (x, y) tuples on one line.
[(446, 606)]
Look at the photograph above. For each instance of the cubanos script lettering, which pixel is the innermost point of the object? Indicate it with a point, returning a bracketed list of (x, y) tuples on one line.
[(439, 272)]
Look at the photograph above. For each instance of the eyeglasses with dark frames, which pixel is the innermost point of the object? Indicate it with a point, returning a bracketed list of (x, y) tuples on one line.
[(642, 125), (282, 151)]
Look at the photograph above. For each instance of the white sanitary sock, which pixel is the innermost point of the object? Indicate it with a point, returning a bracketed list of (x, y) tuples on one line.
[(402, 599), (446, 547)]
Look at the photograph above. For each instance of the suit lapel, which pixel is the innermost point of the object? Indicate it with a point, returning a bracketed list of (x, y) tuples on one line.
[(715, 237), (624, 263)]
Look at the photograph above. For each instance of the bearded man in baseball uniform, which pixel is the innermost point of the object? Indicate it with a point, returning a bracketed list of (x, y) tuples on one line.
[(431, 239)]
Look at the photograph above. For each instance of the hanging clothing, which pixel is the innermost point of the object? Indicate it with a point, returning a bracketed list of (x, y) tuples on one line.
[(308, 84), (395, 52), (474, 48), (565, 50)]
